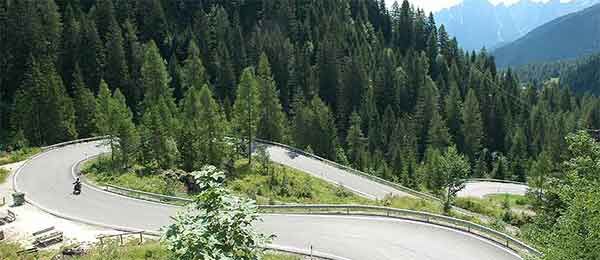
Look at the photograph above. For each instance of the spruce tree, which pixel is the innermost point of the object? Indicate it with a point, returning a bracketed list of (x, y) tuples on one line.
[(193, 73), (156, 79), (92, 57), (103, 110), (43, 110), (85, 106), (246, 110), (202, 137), (116, 72), (355, 140), (272, 119), (438, 136), (70, 48), (127, 146), (472, 128)]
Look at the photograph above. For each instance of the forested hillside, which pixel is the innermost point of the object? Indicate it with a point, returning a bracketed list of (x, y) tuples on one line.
[(479, 23), (385, 91), (580, 75), (567, 37)]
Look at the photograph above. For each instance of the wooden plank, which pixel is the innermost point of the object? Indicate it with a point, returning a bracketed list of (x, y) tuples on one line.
[(45, 230)]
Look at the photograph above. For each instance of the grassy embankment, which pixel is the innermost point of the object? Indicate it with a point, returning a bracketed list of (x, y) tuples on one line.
[(512, 209), (147, 251), (17, 156), (286, 185), (281, 185)]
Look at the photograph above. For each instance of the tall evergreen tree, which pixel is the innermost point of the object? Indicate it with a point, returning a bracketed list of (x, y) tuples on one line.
[(194, 73), (43, 110), (472, 128), (127, 146), (202, 137), (272, 119), (116, 71), (85, 105), (246, 110)]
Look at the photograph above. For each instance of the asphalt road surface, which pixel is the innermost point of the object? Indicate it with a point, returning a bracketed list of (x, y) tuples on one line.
[(483, 188), (47, 179)]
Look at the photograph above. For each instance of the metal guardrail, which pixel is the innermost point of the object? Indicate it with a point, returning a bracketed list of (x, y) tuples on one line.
[(139, 234), (440, 220), (58, 145), (399, 187), (146, 195), (496, 180), (431, 218)]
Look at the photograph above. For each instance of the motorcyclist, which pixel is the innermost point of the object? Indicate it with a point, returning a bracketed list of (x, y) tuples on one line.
[(77, 186)]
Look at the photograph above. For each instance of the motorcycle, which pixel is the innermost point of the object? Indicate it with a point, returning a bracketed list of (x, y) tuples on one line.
[(77, 188)]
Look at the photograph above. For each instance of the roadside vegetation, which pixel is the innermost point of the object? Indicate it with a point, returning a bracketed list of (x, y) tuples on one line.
[(17, 156), (3, 175), (511, 209), (130, 251), (272, 184)]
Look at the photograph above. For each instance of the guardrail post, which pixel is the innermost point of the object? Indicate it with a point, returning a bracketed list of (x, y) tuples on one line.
[(141, 238), (121, 237)]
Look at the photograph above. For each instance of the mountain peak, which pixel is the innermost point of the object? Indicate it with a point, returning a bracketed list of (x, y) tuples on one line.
[(479, 23)]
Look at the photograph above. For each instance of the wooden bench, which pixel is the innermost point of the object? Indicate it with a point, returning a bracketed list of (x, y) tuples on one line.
[(28, 251), (47, 236), (8, 218), (49, 239)]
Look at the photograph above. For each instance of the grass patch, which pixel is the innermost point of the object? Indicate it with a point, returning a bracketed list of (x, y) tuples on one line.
[(132, 251), (9, 251), (511, 209), (17, 156), (281, 184), (100, 171), (277, 186), (3, 175)]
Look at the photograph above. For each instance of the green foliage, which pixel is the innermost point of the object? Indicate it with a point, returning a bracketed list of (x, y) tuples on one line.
[(3, 175), (43, 110), (18, 155), (271, 123), (137, 178), (217, 225), (246, 112), (472, 131), (454, 169), (201, 140)]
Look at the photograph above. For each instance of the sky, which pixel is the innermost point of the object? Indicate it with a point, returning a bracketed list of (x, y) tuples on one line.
[(436, 5)]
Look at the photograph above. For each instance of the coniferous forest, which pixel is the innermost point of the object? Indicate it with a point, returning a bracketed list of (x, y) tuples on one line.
[(386, 91)]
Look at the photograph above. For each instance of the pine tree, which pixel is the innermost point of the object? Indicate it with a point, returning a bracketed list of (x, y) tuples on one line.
[(85, 106), (155, 79), (272, 119), (438, 135), (134, 53), (246, 109), (116, 72), (202, 137), (472, 129), (426, 104), (126, 148), (43, 110), (92, 57), (355, 140), (453, 108), (193, 73), (157, 132), (70, 48), (103, 110)]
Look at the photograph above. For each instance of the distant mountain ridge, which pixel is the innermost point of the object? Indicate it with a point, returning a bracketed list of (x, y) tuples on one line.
[(567, 37), (479, 23)]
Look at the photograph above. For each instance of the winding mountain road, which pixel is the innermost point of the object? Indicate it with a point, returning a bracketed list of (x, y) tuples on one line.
[(46, 180)]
